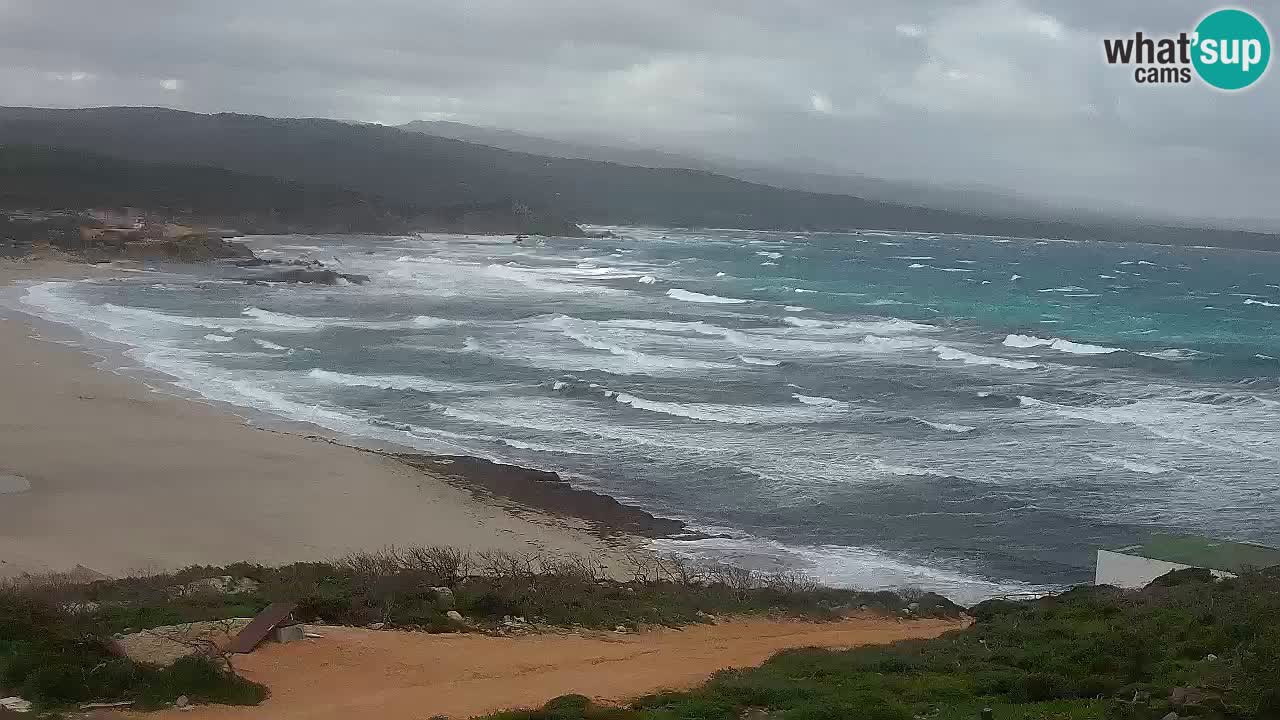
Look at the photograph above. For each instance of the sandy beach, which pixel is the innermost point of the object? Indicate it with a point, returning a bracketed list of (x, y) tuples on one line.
[(100, 471)]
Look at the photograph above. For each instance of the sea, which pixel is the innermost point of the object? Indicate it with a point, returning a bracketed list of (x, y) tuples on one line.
[(966, 414)]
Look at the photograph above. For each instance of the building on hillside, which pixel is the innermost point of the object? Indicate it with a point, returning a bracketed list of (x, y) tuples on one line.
[(1137, 565)]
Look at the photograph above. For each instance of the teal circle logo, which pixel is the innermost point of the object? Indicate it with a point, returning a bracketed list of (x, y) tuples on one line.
[(1232, 49)]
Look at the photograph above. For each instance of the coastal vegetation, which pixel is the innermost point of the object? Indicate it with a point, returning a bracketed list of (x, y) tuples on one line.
[(56, 633), (1187, 644), (55, 657)]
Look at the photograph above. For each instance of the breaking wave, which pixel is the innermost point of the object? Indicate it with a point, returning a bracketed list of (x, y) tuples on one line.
[(1067, 346), (949, 353), (689, 296)]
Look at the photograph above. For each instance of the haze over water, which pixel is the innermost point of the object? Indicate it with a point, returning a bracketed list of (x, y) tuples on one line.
[(968, 414)]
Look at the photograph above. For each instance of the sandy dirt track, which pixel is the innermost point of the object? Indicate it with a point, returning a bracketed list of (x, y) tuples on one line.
[(355, 673)]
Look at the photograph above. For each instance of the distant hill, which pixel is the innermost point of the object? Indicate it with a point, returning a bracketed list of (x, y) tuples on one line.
[(917, 194), (434, 172), (43, 177), (56, 178)]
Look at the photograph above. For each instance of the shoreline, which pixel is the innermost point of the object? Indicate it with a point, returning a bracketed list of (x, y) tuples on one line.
[(117, 476)]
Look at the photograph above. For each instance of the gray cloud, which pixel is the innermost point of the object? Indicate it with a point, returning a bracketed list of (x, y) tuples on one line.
[(1011, 93)]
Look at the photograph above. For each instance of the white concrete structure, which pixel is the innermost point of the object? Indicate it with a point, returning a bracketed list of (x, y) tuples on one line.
[(1136, 566), (1132, 572)]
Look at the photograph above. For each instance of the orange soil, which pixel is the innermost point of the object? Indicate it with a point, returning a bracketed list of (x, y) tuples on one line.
[(355, 673)]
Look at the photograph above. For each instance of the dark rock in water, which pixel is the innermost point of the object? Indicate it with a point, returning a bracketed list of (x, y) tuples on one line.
[(546, 491), (305, 275), (260, 262)]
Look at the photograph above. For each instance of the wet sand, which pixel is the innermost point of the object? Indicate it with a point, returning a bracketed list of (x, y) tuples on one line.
[(101, 471)]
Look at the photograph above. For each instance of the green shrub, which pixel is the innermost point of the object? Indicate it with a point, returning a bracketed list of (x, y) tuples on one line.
[(54, 658)]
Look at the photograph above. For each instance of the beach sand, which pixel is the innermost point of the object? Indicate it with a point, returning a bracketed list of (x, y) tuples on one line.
[(100, 471)]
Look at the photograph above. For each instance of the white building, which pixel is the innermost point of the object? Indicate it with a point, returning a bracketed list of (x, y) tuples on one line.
[(1135, 566)]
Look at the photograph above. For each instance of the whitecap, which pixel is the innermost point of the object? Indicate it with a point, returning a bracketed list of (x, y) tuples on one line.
[(903, 470), (854, 567), (268, 317), (218, 338), (946, 427), (544, 279), (731, 414), (1131, 465), (688, 296), (388, 382), (1173, 354), (770, 255), (285, 321), (1204, 425), (794, 308), (1263, 303), (949, 353), (1065, 289), (1067, 346), (268, 345), (817, 400), (891, 326), (803, 322), (758, 361), (648, 280)]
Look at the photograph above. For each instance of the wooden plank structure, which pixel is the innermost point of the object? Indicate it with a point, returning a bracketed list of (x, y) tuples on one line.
[(275, 615)]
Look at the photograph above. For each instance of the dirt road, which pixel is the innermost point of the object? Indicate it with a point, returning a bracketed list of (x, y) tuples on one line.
[(354, 673)]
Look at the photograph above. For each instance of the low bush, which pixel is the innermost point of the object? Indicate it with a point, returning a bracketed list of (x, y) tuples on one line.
[(398, 587), (52, 658)]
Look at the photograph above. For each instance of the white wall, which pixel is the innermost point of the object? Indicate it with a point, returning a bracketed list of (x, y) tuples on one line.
[(1132, 572)]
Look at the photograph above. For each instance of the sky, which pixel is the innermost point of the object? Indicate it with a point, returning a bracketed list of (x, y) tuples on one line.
[(1007, 93)]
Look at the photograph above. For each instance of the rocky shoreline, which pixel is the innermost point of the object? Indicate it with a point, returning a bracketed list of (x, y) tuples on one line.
[(547, 492)]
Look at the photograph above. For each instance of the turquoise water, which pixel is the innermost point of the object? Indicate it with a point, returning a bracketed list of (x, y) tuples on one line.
[(969, 414)]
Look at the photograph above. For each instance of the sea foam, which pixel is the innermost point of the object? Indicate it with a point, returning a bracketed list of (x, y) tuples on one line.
[(688, 296), (949, 353), (1067, 346)]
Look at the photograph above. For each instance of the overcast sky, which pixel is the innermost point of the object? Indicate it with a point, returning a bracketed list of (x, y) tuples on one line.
[(1012, 93)]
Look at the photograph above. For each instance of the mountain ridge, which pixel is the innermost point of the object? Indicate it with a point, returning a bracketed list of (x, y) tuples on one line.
[(433, 172)]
